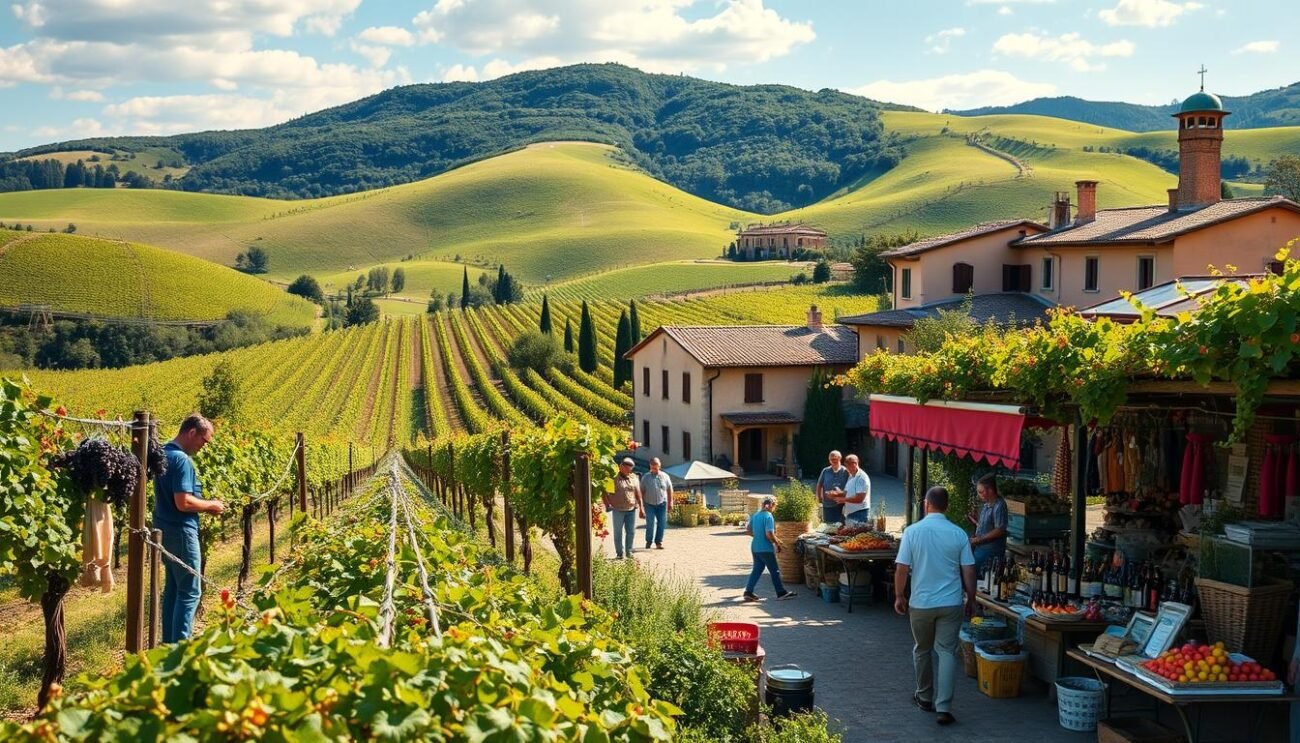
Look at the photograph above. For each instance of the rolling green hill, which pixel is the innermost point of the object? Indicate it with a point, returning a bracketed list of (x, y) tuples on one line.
[(759, 147), (82, 275), (1267, 108)]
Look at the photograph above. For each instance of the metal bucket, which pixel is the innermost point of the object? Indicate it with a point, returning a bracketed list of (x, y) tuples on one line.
[(789, 689)]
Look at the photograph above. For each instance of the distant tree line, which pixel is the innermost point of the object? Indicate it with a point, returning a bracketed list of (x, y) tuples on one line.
[(94, 344), (1232, 167), (37, 175)]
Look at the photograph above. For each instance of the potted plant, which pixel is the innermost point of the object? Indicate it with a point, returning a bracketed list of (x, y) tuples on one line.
[(795, 503)]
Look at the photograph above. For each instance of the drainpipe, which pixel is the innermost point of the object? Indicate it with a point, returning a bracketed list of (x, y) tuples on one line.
[(708, 438)]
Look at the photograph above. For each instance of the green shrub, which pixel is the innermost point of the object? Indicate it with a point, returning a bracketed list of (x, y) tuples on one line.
[(794, 502), (808, 727)]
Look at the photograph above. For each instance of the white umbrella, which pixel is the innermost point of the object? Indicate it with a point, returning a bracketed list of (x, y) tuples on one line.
[(698, 471)]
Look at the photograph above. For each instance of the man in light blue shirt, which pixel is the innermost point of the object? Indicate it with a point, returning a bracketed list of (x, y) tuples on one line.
[(763, 547), (657, 499), (935, 553)]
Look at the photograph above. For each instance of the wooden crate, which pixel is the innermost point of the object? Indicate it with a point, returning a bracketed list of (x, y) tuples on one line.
[(1037, 526), (1136, 730)]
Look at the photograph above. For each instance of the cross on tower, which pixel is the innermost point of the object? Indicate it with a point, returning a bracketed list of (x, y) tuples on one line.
[(1202, 72)]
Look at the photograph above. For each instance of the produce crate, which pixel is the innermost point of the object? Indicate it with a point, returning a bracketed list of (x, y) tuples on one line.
[(1000, 676), (734, 637), (1136, 730), (1042, 526)]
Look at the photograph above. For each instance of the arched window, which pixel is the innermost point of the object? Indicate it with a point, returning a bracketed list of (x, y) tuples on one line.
[(963, 278)]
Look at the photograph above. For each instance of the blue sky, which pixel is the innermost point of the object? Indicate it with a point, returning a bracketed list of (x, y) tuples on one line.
[(78, 68)]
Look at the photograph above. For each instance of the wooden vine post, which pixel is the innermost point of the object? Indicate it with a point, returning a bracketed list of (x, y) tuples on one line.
[(135, 636), (351, 481), (155, 590), (451, 478), (509, 516), (582, 516), (302, 473)]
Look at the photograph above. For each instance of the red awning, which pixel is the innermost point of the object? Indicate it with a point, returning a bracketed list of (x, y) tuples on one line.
[(983, 432)]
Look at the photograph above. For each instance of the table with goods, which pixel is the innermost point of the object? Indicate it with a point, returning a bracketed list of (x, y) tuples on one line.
[(857, 550)]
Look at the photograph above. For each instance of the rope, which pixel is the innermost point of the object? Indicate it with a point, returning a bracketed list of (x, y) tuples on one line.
[(147, 537), (88, 421), (275, 489), (429, 598)]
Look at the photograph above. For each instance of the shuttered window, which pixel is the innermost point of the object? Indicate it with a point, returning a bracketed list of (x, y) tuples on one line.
[(664, 431), (686, 387), (1016, 278), (686, 445), (664, 377), (645, 432), (963, 278), (645, 381), (753, 388)]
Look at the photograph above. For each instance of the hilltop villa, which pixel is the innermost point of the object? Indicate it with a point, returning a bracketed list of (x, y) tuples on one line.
[(777, 240), (731, 395)]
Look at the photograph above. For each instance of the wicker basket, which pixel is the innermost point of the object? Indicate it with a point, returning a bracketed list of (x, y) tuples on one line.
[(1246, 620), (812, 576), (788, 533)]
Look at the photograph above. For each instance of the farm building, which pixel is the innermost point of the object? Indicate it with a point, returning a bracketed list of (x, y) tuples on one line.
[(777, 240)]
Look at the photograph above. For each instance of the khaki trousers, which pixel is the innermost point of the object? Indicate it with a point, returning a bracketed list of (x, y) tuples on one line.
[(935, 633)]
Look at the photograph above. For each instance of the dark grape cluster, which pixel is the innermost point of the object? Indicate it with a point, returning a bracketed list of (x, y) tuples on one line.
[(96, 465), (157, 458)]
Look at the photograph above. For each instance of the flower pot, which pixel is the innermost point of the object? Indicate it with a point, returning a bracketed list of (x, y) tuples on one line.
[(690, 518)]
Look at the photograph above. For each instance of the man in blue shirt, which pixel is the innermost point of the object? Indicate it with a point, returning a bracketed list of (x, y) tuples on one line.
[(831, 482), (990, 538), (763, 547), (657, 501), (936, 554), (178, 501)]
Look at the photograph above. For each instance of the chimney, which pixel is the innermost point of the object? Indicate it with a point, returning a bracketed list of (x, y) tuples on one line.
[(1173, 199), (1060, 215), (1087, 202), (1200, 142), (814, 318)]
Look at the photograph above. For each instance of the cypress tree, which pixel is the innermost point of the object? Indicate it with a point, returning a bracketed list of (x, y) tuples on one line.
[(823, 427), (622, 342), (635, 326), (587, 360), (464, 289), (568, 336), (545, 324), (500, 291)]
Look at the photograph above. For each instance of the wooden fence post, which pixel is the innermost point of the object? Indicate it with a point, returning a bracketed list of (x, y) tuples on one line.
[(351, 482), (272, 506), (302, 473), (505, 484), (135, 546), (451, 477), (155, 590), (582, 508)]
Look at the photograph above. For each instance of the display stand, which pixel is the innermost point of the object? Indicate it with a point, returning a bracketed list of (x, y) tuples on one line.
[(1046, 640), (853, 562)]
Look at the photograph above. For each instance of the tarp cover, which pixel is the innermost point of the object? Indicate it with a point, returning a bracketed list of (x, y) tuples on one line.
[(985, 433)]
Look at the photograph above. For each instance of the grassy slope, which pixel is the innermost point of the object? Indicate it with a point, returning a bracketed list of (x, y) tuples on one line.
[(667, 278), (421, 277), (557, 210), (102, 277), (143, 162)]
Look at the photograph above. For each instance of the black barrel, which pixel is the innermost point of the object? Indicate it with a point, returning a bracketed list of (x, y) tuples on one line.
[(789, 690)]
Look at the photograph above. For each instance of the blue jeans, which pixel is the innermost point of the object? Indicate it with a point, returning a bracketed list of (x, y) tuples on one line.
[(765, 560), (655, 517), (985, 553), (624, 531), (180, 596), (832, 513), (858, 517)]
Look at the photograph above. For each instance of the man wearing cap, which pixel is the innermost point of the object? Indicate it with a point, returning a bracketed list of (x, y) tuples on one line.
[(657, 499), (624, 503)]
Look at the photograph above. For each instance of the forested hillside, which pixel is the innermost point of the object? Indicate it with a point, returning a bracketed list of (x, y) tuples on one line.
[(762, 148), (1267, 108)]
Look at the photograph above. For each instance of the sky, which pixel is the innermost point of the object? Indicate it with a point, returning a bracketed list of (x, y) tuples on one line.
[(82, 68)]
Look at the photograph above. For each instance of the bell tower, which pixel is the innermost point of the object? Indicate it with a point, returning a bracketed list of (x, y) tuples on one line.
[(1200, 145)]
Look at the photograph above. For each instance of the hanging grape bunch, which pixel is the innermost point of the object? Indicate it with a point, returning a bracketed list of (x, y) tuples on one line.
[(157, 457), (96, 465)]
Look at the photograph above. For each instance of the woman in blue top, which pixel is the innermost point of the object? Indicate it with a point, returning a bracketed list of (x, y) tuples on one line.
[(762, 527)]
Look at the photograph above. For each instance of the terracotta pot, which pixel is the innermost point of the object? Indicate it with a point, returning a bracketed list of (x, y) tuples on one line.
[(791, 564)]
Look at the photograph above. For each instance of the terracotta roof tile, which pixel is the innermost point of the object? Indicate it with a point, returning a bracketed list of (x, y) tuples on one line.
[(763, 345), (782, 229), (1147, 224), (1002, 309), (939, 241)]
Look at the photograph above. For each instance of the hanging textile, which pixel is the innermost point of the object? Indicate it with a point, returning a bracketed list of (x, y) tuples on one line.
[(1171, 446), (1291, 486), (1094, 468), (1273, 475), (1114, 462), (97, 546), (1132, 461), (1191, 485), (1061, 468)]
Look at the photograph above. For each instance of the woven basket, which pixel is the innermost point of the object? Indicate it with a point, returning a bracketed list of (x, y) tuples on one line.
[(1246, 620), (812, 576), (788, 533)]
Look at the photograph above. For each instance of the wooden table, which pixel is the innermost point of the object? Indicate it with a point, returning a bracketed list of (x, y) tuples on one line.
[(1181, 703), (853, 562), (1046, 640)]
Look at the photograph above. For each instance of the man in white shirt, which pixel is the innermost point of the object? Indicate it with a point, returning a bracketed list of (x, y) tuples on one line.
[(857, 493), (936, 554)]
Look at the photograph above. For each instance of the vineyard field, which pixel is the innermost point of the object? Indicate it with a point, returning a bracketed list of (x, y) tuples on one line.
[(671, 278), (75, 274)]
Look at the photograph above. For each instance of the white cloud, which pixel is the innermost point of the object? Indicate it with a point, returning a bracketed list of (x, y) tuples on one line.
[(167, 21), (84, 96), (79, 129), (1009, 2), (1004, 10), (940, 43), (968, 90), (1257, 47), (387, 36), (655, 35), (1150, 13), (1071, 48), (377, 55), (459, 73)]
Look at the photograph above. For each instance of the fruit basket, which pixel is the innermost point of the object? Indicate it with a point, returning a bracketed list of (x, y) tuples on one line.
[(1058, 612)]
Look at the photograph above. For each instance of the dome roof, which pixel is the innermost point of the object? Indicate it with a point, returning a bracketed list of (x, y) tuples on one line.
[(1201, 101)]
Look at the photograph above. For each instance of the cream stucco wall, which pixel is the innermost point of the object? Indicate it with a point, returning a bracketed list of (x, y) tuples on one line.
[(665, 353), (1248, 243), (1117, 270), (932, 270)]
